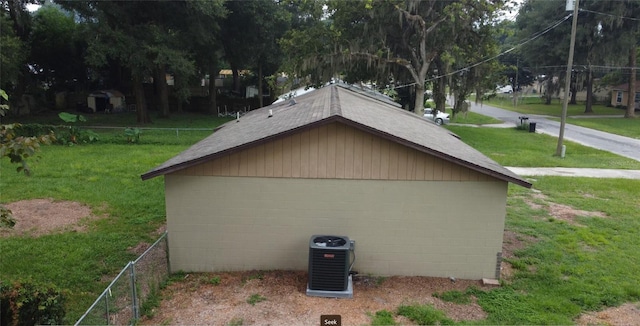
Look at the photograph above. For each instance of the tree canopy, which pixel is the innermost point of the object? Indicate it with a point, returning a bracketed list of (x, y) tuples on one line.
[(409, 46)]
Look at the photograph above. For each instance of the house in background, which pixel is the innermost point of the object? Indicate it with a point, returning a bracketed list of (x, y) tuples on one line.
[(620, 93), (414, 197), (106, 101)]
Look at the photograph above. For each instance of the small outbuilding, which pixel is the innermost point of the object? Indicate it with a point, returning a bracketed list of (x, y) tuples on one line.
[(414, 197), (620, 95), (106, 101)]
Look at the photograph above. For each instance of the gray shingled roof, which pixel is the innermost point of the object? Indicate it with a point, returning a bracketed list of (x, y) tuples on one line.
[(336, 104)]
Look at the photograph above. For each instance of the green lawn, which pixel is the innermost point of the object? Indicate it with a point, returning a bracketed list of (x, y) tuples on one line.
[(600, 119), (567, 267), (619, 126), (535, 105), (473, 119), (512, 147)]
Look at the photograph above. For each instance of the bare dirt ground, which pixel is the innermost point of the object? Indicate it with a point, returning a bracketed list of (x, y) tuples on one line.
[(36, 217), (196, 301), (222, 298)]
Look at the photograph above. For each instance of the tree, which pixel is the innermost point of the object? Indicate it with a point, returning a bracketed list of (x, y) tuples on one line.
[(308, 46), (147, 40), (15, 14), (547, 53), (12, 56), (514, 70), (378, 39), (601, 37), (56, 48), (250, 33), (206, 45)]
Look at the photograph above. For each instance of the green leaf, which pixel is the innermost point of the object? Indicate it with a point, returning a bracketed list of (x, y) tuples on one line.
[(68, 117)]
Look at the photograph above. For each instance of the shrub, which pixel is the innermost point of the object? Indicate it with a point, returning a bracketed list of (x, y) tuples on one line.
[(27, 303), (34, 130)]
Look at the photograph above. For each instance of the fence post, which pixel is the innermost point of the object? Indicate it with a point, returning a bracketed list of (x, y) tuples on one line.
[(106, 306), (134, 294)]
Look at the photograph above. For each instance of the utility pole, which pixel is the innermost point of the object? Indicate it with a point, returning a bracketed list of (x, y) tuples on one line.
[(567, 79), (515, 91)]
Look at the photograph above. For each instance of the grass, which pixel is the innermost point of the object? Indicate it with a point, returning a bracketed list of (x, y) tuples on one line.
[(535, 105), (106, 177), (454, 296), (576, 115), (511, 147), (383, 318), (618, 126), (424, 315), (473, 118), (566, 269), (570, 267)]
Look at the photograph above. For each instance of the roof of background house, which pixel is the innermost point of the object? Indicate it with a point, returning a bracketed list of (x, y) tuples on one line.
[(332, 104), (625, 87)]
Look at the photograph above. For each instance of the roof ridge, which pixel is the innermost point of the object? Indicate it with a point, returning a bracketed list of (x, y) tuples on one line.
[(334, 106)]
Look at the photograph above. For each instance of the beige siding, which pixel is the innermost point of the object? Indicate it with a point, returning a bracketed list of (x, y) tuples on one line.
[(432, 228), (335, 151)]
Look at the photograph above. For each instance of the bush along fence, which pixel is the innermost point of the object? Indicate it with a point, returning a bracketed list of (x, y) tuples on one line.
[(26, 302), (122, 302)]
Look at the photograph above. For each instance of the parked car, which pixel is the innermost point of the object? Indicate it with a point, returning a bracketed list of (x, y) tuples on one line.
[(440, 118)]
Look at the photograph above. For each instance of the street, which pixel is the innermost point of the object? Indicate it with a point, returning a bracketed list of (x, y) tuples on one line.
[(623, 146)]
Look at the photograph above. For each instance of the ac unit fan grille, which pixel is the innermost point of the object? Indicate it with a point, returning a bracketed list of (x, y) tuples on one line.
[(328, 270)]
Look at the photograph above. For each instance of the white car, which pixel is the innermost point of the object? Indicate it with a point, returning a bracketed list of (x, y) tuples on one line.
[(440, 118)]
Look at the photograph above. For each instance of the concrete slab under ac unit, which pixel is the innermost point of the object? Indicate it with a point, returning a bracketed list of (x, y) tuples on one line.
[(347, 294)]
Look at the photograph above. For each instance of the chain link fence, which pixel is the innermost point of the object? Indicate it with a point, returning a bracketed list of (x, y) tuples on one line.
[(120, 303)]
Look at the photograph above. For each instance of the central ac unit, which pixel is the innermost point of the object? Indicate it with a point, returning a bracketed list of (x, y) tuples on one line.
[(329, 264)]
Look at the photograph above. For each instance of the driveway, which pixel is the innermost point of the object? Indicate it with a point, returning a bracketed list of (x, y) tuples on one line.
[(623, 146)]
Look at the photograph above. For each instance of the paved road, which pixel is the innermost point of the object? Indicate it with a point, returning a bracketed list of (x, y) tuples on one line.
[(623, 146)]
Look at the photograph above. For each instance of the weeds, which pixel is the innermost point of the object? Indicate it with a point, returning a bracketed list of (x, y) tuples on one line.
[(454, 296), (259, 275), (255, 298), (382, 318), (425, 315), (215, 280)]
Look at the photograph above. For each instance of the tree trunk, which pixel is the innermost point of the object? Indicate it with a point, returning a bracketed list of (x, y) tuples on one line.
[(142, 115), (162, 91), (260, 85), (419, 103), (573, 89), (177, 82), (549, 93), (589, 106), (631, 97), (236, 79), (439, 94), (213, 103)]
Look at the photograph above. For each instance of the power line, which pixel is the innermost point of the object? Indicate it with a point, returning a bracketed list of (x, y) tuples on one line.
[(610, 15)]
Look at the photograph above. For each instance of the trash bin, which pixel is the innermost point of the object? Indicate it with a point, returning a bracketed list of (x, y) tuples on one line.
[(532, 127)]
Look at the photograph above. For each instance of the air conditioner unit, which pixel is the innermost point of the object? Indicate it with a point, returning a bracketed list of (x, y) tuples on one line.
[(329, 264)]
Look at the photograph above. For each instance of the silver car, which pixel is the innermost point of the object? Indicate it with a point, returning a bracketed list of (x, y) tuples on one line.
[(440, 118)]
